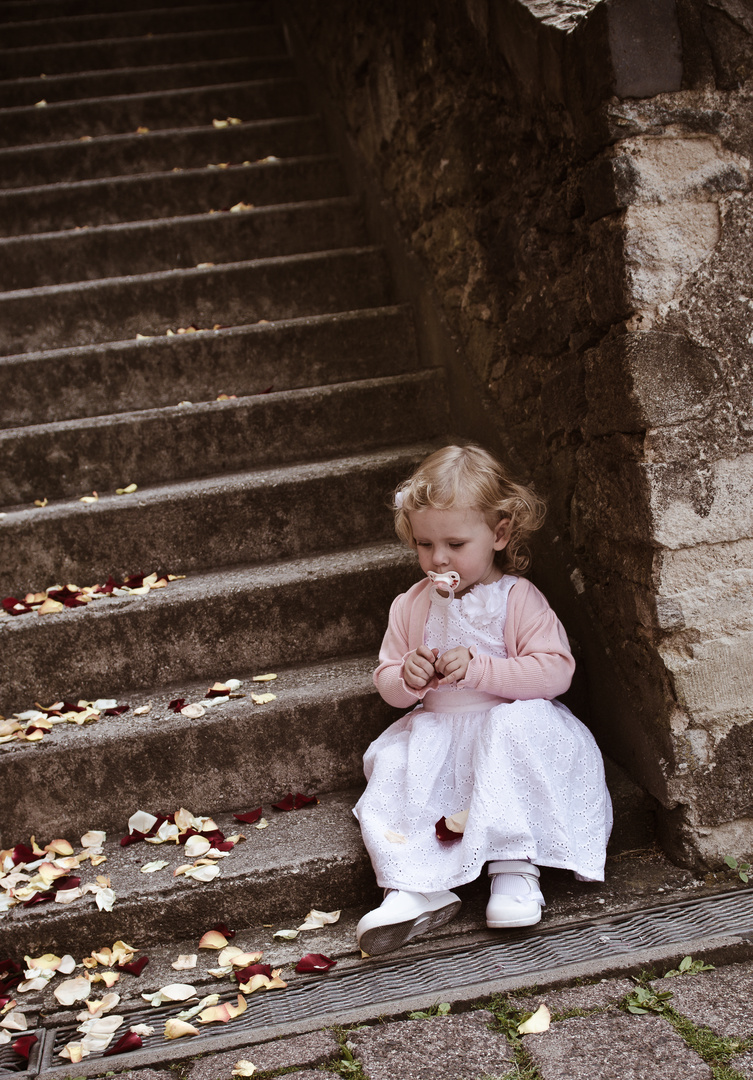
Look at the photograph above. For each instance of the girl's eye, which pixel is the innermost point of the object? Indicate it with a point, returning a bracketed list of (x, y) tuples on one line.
[(459, 544), (422, 543)]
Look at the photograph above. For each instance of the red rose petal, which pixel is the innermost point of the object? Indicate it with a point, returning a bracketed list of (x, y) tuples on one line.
[(177, 704), (15, 607), (444, 834), (21, 854), (221, 928), (133, 967), (23, 1045), (314, 962), (250, 817), (109, 585), (38, 898), (129, 1041), (66, 883), (68, 706), (132, 838), (117, 711), (246, 973), (287, 803), (224, 845), (304, 800)]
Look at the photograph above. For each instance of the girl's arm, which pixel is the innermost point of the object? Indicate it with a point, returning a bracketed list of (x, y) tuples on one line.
[(388, 677), (539, 662)]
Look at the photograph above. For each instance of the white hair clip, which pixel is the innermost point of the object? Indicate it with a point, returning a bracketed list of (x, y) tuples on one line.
[(399, 500), (448, 581)]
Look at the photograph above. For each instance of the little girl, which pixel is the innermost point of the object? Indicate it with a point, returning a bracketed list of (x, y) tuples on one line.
[(488, 767)]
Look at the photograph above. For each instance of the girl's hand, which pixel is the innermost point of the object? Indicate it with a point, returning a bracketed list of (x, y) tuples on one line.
[(453, 665), (418, 668)]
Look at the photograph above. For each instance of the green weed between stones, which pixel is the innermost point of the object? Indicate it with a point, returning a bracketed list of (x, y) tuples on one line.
[(716, 1050), (506, 1021), (743, 868)]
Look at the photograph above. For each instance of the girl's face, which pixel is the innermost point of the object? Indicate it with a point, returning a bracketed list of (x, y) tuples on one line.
[(458, 539)]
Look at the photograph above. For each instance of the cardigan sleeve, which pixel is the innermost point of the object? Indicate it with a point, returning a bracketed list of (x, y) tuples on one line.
[(539, 663), (388, 677)]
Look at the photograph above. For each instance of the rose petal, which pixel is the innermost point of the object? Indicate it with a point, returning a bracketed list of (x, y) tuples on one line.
[(185, 961), (130, 1041), (537, 1023), (213, 939), (250, 816), (314, 962), (197, 846), (443, 833), (176, 1029), (134, 967), (72, 990), (243, 1068), (23, 1045), (141, 822)]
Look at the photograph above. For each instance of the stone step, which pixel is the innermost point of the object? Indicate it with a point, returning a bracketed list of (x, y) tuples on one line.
[(184, 242), (194, 148), (285, 287), (72, 458), (287, 512), (53, 207), (313, 857), (311, 738), (262, 99), (300, 611), (120, 376), (139, 80), (31, 61), (106, 25)]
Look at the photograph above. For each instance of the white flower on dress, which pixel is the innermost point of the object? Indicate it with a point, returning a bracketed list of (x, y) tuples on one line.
[(484, 603)]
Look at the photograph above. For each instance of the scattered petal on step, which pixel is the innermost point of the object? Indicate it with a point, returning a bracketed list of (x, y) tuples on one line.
[(286, 935), (243, 1068), (141, 822), (263, 699), (130, 1041), (104, 1005), (40, 104), (249, 817), (171, 992), (269, 677), (140, 130), (142, 710), (49, 607), (213, 939), (74, 1052), (294, 802), (23, 1045), (89, 498), (153, 867), (537, 1023), (193, 712), (314, 962), (93, 839), (185, 961), (263, 982), (134, 967), (14, 1021), (197, 846), (100, 1025), (237, 957), (315, 920), (240, 207), (142, 1029), (41, 502), (176, 1029), (72, 990), (129, 490), (203, 873)]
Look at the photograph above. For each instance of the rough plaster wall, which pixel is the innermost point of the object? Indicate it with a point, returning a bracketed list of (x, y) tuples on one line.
[(596, 270)]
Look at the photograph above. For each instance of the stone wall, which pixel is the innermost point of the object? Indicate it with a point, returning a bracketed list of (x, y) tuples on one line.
[(574, 177)]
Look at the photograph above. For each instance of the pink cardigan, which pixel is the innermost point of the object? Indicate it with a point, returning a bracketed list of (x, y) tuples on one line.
[(539, 663)]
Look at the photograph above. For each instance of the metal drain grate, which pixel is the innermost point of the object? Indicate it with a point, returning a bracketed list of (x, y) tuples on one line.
[(439, 972)]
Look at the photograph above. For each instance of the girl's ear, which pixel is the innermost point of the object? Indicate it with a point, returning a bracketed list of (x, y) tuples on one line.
[(501, 534)]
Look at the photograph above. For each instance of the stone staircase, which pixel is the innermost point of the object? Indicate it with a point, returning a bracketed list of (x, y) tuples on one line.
[(127, 216)]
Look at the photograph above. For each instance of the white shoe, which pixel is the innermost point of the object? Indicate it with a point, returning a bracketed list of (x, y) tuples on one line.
[(402, 916), (521, 908)]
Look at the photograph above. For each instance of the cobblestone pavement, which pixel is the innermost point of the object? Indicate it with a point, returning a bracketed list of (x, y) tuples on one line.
[(696, 1025)]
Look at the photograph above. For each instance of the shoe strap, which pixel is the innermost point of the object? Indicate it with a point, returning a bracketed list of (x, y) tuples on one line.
[(513, 866)]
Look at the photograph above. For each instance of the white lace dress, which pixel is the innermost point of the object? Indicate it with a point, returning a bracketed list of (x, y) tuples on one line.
[(529, 773)]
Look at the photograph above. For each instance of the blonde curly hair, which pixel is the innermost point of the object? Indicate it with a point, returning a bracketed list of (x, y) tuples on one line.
[(468, 476)]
